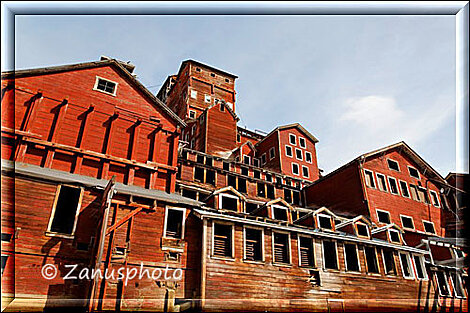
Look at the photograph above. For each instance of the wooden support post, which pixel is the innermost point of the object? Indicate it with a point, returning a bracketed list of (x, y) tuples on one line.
[(173, 161), (105, 166), (154, 157), (55, 129), (131, 154), (128, 241), (28, 120), (83, 135)]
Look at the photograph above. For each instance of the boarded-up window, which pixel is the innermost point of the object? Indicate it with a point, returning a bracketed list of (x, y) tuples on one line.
[(330, 258), (174, 223), (65, 211), (389, 262), (381, 182), (371, 260), (306, 252), (222, 240), (406, 265), (369, 177), (281, 248), (351, 257), (253, 244)]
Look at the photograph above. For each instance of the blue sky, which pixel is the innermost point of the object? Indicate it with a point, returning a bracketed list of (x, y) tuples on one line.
[(357, 83)]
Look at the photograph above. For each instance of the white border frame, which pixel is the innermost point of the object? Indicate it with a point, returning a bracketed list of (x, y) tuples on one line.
[(377, 263), (301, 154), (168, 207), (291, 150), (410, 265), (95, 87), (219, 204), (191, 94), (273, 153), (308, 171), (462, 288), (357, 256), (401, 189), (279, 207), (423, 267), (390, 186), (389, 159), (357, 232), (232, 257), (433, 227), (446, 279), (419, 175), (384, 263), (373, 179), (385, 180), (412, 221), (332, 221), (289, 248), (263, 253), (431, 192), (383, 211), (311, 157), (305, 143), (390, 236), (292, 168), (312, 239), (295, 139)]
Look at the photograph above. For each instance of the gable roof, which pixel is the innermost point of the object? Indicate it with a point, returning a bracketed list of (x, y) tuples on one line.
[(225, 189), (207, 66), (386, 227), (294, 125), (354, 220), (116, 64)]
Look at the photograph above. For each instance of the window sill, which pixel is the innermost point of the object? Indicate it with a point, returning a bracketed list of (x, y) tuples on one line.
[(254, 262), (331, 270), (65, 236), (222, 258), (106, 93), (282, 264)]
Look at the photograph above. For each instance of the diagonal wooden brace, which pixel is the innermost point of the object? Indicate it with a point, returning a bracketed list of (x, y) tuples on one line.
[(125, 219)]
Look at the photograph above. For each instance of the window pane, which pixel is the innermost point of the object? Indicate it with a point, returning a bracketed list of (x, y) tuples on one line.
[(306, 251), (405, 265), (352, 260), (371, 259), (329, 255), (419, 268), (174, 223), (65, 210), (222, 240), (389, 263), (281, 253)]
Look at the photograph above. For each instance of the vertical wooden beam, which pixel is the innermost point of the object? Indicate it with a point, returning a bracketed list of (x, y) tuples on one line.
[(55, 129), (28, 120), (173, 160), (131, 153), (128, 241), (82, 137), (105, 166), (156, 143)]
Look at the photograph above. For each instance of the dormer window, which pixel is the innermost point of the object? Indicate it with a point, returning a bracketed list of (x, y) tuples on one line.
[(324, 221), (105, 85), (212, 75), (228, 202), (394, 236), (362, 230), (280, 213)]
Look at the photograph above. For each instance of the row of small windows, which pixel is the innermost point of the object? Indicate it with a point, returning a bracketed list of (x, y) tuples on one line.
[(406, 221), (389, 184), (293, 141), (198, 69), (393, 165), (298, 154), (208, 99), (296, 170)]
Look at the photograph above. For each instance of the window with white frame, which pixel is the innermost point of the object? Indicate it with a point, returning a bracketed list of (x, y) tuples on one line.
[(369, 177), (442, 283), (404, 189), (246, 159), (308, 157), (298, 154), (383, 216), (435, 198), (302, 142), (330, 255), (174, 222), (419, 267), (351, 257), (222, 240), (393, 185), (288, 151), (372, 263), (295, 168), (429, 227), (324, 221), (362, 230), (381, 182), (193, 94), (407, 222), (207, 98), (406, 267), (281, 248), (457, 285), (272, 153), (279, 213), (306, 252), (193, 129), (105, 85), (256, 162), (423, 195), (394, 236), (253, 244), (413, 172), (389, 262), (228, 202), (305, 172), (292, 139), (65, 210), (393, 165)]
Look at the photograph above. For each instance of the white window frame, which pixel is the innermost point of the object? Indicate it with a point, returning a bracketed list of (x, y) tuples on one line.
[(256, 162), (288, 248), (328, 216), (301, 154), (390, 236), (54, 206), (373, 179), (447, 284), (410, 266), (357, 255), (313, 251), (167, 207), (459, 278), (357, 232), (193, 129), (395, 162), (193, 143), (311, 159), (279, 207), (221, 195), (193, 94), (377, 174), (323, 256), (95, 87), (383, 211), (431, 192), (291, 151), (295, 139), (412, 221), (249, 159), (433, 227), (407, 189), (263, 255), (298, 168), (390, 185), (232, 257), (423, 267), (308, 171), (419, 175), (206, 98), (272, 153), (192, 111), (300, 142)]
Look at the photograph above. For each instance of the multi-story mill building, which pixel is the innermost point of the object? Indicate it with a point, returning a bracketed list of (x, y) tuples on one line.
[(99, 172)]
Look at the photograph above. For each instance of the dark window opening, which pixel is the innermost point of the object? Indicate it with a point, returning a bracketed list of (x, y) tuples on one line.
[(393, 185), (212, 74), (244, 171), (209, 161), (383, 217), (256, 162), (222, 240), (306, 252), (325, 222), (389, 263), (420, 272), (246, 160), (394, 236), (4, 262), (106, 86), (278, 180), (393, 165), (185, 155), (270, 191), (296, 197), (241, 185), (305, 171), (423, 195), (407, 222), (308, 157), (280, 214), (442, 283), (405, 265), (362, 230), (288, 151), (435, 198), (229, 203), (210, 177), (257, 174), (404, 189), (82, 246), (199, 174), (371, 260), (381, 182), (222, 107), (261, 190), (352, 259), (232, 181), (329, 255), (413, 172), (226, 166), (288, 195), (239, 138), (6, 237), (298, 154), (281, 248), (429, 227), (66, 210), (295, 169), (250, 207), (174, 223), (200, 159), (253, 244), (268, 178), (189, 194), (369, 176), (457, 283)]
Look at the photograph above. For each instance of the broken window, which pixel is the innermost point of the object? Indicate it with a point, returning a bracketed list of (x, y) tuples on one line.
[(393, 165), (330, 258), (414, 192), (419, 266), (369, 177), (351, 257), (253, 244), (407, 222), (65, 210), (423, 195), (429, 227), (413, 172), (434, 198), (250, 207), (306, 255), (280, 213), (404, 189), (442, 284), (371, 260), (324, 222), (393, 185), (381, 182), (228, 202), (308, 157), (222, 240), (389, 262), (174, 223), (406, 265), (288, 151), (281, 248), (457, 284), (362, 230)]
